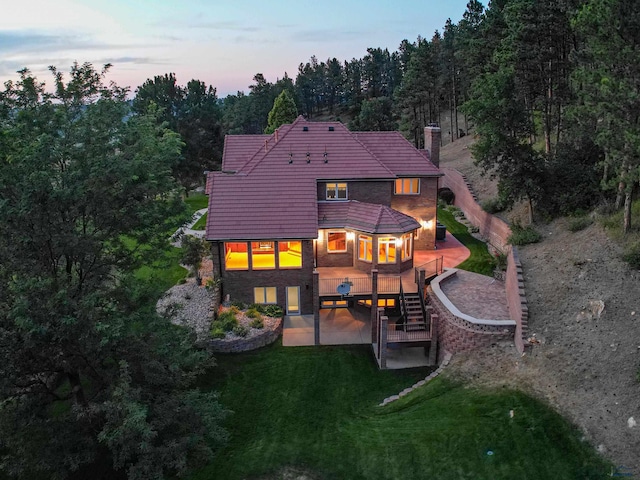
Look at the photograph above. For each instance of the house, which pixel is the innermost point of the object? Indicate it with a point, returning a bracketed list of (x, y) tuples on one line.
[(315, 195)]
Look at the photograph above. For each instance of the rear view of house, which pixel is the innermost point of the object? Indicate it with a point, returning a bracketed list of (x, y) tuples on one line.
[(313, 197)]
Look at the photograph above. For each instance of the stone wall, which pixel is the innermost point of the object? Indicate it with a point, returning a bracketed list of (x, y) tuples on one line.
[(266, 337), (458, 332), (496, 232)]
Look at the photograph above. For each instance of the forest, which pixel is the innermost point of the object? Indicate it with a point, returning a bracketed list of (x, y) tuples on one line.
[(92, 184)]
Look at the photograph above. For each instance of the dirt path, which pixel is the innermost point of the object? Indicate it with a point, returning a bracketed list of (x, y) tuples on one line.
[(587, 360)]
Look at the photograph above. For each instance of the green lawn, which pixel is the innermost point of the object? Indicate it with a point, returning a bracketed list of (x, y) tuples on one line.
[(201, 224), (316, 408), (196, 201), (480, 260)]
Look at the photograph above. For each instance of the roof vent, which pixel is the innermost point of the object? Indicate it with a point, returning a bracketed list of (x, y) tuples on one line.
[(305, 129), (331, 129)]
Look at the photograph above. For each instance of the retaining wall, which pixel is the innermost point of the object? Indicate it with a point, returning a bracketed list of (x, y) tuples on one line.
[(496, 232), (266, 337)]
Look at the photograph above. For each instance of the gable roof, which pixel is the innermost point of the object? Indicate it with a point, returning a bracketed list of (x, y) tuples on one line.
[(365, 217), (267, 188)]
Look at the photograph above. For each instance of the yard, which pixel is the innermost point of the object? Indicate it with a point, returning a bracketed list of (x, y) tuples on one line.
[(315, 409)]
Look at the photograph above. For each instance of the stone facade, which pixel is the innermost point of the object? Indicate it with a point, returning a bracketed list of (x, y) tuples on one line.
[(267, 337)]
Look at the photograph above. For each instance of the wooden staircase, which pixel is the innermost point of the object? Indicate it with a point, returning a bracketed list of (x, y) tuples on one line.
[(413, 312)]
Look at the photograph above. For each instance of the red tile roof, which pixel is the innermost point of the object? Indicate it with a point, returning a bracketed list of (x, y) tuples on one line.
[(366, 217), (273, 192)]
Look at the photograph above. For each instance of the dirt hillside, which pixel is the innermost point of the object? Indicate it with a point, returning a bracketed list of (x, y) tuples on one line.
[(584, 305)]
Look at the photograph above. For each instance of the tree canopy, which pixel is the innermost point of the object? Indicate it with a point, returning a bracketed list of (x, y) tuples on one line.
[(91, 380), (284, 111)]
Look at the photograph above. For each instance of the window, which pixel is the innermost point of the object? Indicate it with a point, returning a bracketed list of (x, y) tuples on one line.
[(236, 256), (407, 186), (265, 295), (365, 248), (407, 246), (263, 255), (382, 302), (290, 254), (336, 191), (386, 250), (337, 242), (334, 304)]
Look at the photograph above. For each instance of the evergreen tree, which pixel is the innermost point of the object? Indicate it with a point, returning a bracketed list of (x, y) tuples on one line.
[(284, 111)]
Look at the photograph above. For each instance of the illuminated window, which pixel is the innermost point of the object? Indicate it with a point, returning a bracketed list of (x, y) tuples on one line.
[(265, 295), (386, 250), (407, 246), (263, 255), (236, 256), (336, 242), (407, 186), (336, 191), (290, 254), (382, 302), (334, 304), (365, 248)]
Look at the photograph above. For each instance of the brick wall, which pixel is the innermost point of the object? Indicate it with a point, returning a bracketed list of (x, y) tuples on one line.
[(377, 192), (421, 207), (496, 231)]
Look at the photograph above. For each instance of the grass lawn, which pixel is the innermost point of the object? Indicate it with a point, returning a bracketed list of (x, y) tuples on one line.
[(196, 201), (201, 224), (315, 408), (480, 260)]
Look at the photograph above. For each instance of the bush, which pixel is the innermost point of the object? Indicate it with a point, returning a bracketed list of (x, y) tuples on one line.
[(253, 313), (256, 306), (631, 255), (493, 205), (579, 223), (523, 235), (257, 323), (273, 311), (241, 330), (500, 261), (238, 305), (227, 320), (474, 229), (446, 195), (217, 332)]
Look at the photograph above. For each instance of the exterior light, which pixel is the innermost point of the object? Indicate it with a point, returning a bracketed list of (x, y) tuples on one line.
[(399, 242), (427, 224), (319, 239), (351, 236)]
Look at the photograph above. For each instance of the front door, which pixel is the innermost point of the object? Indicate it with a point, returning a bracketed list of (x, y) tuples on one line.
[(293, 300)]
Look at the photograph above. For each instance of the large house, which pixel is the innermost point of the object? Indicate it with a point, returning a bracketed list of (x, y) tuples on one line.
[(313, 195)]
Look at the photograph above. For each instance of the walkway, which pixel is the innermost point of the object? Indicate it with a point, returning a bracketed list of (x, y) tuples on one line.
[(187, 230)]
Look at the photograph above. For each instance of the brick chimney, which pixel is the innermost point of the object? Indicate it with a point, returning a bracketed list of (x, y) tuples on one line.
[(432, 139)]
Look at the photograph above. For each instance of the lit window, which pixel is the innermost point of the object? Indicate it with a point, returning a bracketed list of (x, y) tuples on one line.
[(263, 255), (365, 248), (407, 246), (290, 254), (336, 191), (382, 302), (337, 242), (407, 186), (386, 250), (236, 256), (265, 295)]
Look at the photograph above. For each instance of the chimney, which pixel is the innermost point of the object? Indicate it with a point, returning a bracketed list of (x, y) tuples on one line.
[(276, 135), (432, 138)]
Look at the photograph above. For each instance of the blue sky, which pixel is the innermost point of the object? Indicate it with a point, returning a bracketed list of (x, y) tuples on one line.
[(222, 43)]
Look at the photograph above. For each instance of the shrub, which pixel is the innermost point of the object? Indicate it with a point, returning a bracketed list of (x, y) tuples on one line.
[(631, 255), (523, 235), (257, 306), (579, 223), (217, 332), (238, 305), (257, 323), (446, 195), (500, 261), (493, 205), (273, 311), (227, 320), (241, 330), (473, 229), (253, 313)]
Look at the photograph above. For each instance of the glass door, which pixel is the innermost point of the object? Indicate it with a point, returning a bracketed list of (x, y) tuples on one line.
[(293, 300)]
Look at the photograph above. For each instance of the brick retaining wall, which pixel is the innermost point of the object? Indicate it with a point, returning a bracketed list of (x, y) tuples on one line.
[(496, 231)]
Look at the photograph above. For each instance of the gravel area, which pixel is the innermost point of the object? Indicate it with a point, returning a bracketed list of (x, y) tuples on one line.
[(189, 305)]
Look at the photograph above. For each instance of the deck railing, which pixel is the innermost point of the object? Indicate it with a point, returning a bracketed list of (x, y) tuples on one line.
[(431, 269), (360, 285), (409, 332)]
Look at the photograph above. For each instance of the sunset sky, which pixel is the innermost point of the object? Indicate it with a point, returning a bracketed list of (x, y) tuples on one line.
[(222, 43)]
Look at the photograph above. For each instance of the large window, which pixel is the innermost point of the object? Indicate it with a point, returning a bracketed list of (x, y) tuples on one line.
[(365, 248), (407, 246), (336, 242), (290, 254), (263, 255), (386, 250), (407, 186), (265, 295), (236, 256), (336, 191)]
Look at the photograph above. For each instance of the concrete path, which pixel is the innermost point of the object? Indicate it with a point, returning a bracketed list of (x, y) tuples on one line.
[(187, 230)]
